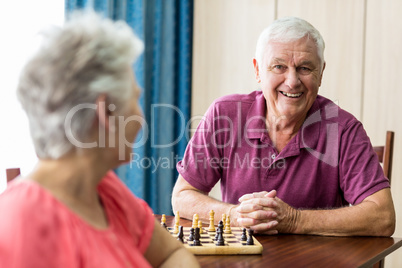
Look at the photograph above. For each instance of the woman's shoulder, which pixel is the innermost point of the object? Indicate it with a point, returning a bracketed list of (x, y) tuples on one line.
[(25, 201), (31, 225)]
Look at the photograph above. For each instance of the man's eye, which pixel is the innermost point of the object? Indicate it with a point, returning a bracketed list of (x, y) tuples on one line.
[(279, 68), (304, 70)]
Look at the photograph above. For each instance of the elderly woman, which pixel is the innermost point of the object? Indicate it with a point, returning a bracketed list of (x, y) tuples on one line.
[(289, 160), (81, 99)]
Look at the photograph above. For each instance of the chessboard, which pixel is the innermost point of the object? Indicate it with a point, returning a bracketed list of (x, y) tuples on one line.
[(232, 243)]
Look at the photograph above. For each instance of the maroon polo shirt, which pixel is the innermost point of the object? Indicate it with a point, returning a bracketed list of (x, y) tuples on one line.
[(329, 163)]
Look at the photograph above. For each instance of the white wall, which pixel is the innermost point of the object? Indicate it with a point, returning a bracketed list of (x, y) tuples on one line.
[(20, 21)]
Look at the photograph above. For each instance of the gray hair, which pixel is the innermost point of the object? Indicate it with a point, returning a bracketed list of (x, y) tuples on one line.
[(289, 29), (76, 63)]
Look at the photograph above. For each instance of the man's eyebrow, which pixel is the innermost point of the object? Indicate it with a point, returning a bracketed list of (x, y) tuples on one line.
[(278, 60), (307, 62)]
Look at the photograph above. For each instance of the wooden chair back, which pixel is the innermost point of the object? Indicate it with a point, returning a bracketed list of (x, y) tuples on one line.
[(385, 154), (12, 173)]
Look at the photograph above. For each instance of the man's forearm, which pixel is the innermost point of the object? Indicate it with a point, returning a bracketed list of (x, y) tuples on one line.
[(375, 216), (348, 221), (190, 202)]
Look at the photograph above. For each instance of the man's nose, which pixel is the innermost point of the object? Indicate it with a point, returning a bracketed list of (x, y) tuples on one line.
[(292, 78)]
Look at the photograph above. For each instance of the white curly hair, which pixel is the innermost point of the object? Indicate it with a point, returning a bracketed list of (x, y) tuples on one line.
[(87, 56)]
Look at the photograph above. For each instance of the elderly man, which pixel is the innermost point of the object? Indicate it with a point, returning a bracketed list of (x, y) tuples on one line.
[(289, 160)]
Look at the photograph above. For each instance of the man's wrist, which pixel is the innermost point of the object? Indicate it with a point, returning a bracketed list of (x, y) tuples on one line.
[(233, 218)]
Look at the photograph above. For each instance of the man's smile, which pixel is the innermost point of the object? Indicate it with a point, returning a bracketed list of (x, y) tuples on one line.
[(290, 95)]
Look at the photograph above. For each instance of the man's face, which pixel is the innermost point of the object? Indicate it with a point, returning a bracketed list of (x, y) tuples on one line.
[(290, 75)]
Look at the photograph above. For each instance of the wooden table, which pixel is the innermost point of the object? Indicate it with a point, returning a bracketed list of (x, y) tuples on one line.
[(306, 251)]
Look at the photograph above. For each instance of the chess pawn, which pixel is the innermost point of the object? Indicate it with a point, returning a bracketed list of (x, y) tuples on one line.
[(211, 227), (228, 230), (244, 235), (250, 240), (163, 221), (177, 223), (196, 241), (224, 218), (200, 226), (195, 221), (191, 236)]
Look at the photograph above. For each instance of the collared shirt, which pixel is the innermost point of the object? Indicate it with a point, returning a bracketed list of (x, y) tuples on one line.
[(329, 163)]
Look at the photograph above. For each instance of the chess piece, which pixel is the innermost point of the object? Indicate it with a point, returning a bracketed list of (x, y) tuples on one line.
[(177, 223), (228, 230), (220, 228), (200, 226), (224, 218), (211, 227), (197, 241), (220, 241), (163, 221), (180, 234), (195, 221), (244, 236), (250, 240), (191, 236)]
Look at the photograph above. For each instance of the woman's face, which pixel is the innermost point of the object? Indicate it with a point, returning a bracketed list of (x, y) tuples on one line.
[(129, 122)]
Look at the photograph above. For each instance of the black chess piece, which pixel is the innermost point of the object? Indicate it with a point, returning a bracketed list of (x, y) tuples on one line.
[(180, 234), (244, 236), (216, 232), (197, 236), (219, 235), (191, 236), (220, 227), (220, 241), (250, 240)]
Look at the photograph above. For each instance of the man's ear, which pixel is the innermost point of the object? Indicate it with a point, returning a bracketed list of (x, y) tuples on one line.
[(102, 111), (256, 70), (322, 72)]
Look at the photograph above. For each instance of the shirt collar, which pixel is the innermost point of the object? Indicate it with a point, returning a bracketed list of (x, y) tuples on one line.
[(306, 137), (255, 121)]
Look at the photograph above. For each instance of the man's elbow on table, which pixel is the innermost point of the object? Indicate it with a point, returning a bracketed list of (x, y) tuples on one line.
[(181, 195), (384, 219), (388, 224)]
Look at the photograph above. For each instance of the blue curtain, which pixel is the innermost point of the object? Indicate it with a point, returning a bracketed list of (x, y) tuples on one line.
[(164, 72)]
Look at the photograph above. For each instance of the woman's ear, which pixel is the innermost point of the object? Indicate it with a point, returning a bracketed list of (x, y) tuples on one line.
[(102, 111)]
